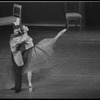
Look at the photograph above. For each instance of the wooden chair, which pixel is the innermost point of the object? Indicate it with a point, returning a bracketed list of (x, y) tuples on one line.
[(17, 11), (10, 19), (73, 14)]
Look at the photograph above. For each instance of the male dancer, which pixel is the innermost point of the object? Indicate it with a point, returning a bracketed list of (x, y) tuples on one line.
[(19, 37)]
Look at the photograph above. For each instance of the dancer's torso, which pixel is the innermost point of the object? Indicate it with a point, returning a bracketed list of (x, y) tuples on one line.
[(15, 42)]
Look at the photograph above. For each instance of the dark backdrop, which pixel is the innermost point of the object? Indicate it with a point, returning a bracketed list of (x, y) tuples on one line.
[(52, 12), (93, 14), (38, 12)]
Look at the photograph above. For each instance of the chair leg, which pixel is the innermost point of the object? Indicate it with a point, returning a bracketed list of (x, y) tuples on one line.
[(67, 24), (76, 25), (80, 24)]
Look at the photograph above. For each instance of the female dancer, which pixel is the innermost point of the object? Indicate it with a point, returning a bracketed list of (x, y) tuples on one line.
[(39, 54)]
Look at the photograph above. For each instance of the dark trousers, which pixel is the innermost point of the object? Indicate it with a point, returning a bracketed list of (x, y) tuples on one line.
[(17, 74)]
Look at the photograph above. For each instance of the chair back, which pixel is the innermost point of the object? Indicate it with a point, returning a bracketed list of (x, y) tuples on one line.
[(17, 10), (73, 7)]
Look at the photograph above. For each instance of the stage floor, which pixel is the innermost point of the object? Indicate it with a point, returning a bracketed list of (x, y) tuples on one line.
[(74, 71)]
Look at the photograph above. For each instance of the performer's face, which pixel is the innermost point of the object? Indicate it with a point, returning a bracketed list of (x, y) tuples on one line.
[(15, 31), (25, 28)]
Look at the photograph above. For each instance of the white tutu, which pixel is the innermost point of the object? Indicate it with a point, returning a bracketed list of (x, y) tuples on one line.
[(39, 55)]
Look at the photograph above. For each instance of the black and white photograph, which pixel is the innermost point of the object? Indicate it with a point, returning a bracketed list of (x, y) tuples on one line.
[(50, 49)]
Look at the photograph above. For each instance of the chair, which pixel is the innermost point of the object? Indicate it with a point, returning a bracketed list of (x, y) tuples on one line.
[(17, 10), (73, 14), (10, 19)]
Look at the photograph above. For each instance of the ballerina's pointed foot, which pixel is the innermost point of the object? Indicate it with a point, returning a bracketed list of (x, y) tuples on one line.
[(30, 89), (64, 30)]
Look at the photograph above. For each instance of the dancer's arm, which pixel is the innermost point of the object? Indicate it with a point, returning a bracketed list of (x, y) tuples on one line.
[(27, 40)]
